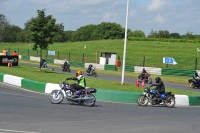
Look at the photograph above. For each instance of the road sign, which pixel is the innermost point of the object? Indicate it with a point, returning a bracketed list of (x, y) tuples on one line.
[(51, 52), (169, 60)]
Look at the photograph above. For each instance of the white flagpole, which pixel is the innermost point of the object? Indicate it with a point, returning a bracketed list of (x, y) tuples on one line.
[(125, 40)]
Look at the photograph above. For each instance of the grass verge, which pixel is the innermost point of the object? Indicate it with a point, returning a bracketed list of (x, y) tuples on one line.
[(50, 76)]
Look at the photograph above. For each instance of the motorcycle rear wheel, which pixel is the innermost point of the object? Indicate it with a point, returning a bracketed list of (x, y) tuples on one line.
[(95, 74), (55, 98), (169, 101), (142, 100), (91, 101)]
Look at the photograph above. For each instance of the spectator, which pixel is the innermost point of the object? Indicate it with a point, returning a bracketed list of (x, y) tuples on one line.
[(15, 53), (4, 52)]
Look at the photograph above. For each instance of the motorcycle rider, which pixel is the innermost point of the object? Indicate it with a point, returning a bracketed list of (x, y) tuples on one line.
[(80, 84), (144, 73), (43, 63), (160, 87), (66, 64), (196, 75), (90, 68)]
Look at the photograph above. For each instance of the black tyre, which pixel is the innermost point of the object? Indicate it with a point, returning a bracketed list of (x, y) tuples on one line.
[(142, 100), (95, 74), (192, 85), (91, 101), (169, 101), (56, 98)]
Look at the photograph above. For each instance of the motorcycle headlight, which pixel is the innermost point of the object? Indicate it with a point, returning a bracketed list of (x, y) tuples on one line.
[(61, 85)]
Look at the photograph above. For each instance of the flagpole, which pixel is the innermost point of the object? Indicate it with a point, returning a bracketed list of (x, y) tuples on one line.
[(125, 40)]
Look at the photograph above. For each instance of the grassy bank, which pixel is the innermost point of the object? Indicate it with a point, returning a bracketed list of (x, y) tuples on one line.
[(136, 52)]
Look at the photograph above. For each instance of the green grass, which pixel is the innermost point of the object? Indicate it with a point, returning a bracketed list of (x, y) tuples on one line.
[(54, 77), (183, 53)]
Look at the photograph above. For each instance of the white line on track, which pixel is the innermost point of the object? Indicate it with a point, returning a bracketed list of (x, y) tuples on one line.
[(14, 131)]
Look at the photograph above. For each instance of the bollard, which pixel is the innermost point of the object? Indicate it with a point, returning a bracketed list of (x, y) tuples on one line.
[(137, 83), (142, 85)]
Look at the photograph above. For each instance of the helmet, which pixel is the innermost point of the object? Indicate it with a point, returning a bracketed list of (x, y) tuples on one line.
[(157, 79), (78, 73)]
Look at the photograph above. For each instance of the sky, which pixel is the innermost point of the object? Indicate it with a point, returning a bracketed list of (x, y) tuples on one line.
[(176, 16)]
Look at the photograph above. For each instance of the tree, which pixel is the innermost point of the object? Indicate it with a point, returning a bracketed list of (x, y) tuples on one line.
[(138, 34), (43, 29), (60, 34), (3, 24), (175, 35), (163, 34)]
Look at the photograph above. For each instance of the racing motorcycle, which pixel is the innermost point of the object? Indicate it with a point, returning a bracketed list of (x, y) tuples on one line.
[(65, 68), (84, 96), (194, 83), (146, 77), (92, 72), (150, 95)]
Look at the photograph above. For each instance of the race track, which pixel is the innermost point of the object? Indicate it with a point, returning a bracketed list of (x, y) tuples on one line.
[(23, 111)]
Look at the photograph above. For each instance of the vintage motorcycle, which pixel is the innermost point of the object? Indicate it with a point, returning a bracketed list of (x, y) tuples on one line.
[(85, 96), (168, 99), (65, 68), (194, 83), (146, 77), (92, 73)]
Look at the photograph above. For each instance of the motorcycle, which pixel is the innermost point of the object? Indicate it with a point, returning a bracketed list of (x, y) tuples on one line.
[(92, 72), (146, 78), (168, 99), (65, 68), (194, 83), (84, 96)]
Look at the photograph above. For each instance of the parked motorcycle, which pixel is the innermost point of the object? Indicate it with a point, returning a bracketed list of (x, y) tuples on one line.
[(194, 83), (92, 72), (168, 99), (66, 68), (84, 96)]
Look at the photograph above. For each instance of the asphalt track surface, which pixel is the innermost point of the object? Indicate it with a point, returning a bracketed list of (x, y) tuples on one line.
[(126, 79), (23, 111)]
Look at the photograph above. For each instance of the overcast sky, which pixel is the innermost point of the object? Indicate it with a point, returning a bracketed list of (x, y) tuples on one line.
[(179, 16)]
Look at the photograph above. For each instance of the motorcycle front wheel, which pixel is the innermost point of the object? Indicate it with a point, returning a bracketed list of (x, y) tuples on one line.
[(90, 101), (169, 101), (192, 85), (56, 97), (142, 100)]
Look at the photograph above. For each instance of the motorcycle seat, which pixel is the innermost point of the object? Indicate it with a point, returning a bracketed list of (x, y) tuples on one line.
[(168, 93)]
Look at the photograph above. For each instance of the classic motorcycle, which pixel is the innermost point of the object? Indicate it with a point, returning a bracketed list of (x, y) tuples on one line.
[(84, 96), (146, 78), (150, 95), (194, 83), (65, 68), (92, 73)]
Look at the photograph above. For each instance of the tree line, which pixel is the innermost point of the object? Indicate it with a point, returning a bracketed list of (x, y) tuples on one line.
[(102, 31)]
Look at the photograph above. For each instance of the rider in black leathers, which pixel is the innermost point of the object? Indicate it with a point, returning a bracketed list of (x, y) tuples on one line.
[(90, 68), (160, 87)]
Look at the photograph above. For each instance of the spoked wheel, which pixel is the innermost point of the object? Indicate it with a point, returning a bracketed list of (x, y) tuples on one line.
[(95, 74), (56, 97), (90, 101), (169, 101), (142, 100), (149, 80), (192, 85)]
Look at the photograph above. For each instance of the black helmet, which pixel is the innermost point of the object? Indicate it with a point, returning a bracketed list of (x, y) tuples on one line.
[(157, 79)]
